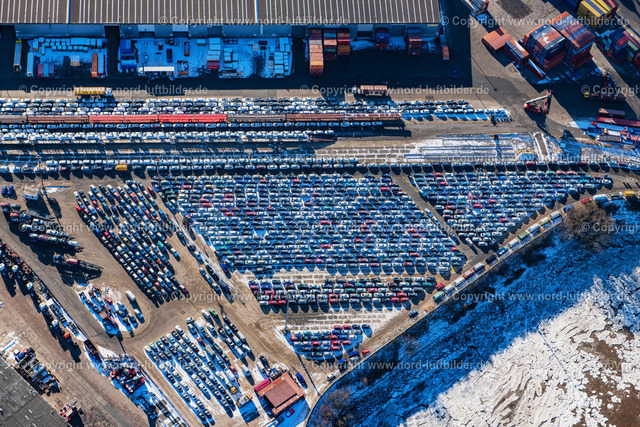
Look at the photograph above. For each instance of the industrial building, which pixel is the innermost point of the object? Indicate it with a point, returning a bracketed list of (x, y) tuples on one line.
[(31, 192), (281, 392), (21, 404), (231, 18)]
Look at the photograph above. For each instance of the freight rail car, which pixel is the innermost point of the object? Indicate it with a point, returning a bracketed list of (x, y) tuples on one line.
[(201, 118)]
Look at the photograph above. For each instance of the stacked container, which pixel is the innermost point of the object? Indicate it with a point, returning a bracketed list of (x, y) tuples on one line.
[(614, 44), (330, 44), (414, 41), (382, 38), (316, 57), (213, 54), (546, 46), (496, 40), (579, 40), (516, 52), (344, 42), (595, 12), (126, 48)]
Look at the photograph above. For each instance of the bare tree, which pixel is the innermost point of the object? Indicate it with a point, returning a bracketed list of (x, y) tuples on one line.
[(590, 225)]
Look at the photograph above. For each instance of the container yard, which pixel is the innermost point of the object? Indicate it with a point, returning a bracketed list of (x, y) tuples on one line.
[(262, 210)]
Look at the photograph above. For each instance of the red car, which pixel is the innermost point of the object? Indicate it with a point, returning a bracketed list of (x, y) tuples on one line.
[(366, 351)]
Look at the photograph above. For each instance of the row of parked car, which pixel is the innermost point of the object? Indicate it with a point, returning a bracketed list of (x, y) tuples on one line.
[(174, 165), (358, 293), (129, 223), (196, 361), (163, 137), (485, 207), (218, 106), (315, 221), (332, 343)]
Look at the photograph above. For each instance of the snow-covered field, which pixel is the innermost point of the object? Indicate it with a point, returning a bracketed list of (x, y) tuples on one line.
[(474, 148), (552, 340)]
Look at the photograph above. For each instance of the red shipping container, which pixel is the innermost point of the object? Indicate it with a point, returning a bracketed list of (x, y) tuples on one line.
[(111, 118), (209, 118), (141, 118), (636, 61), (94, 65)]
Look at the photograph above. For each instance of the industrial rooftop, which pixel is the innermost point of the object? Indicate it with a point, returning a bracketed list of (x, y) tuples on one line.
[(21, 404), (219, 12)]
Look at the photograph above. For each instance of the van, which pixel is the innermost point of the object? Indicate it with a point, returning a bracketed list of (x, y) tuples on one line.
[(439, 296), (479, 267), (260, 366), (449, 289), (514, 243), (535, 228), (131, 296), (331, 377), (246, 372)]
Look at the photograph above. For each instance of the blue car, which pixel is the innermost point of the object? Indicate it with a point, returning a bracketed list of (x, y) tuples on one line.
[(301, 379)]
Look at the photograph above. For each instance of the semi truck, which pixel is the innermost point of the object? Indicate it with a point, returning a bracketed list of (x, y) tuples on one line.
[(76, 264)]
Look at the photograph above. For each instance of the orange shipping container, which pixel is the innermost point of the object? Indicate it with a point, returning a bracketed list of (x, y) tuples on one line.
[(94, 65)]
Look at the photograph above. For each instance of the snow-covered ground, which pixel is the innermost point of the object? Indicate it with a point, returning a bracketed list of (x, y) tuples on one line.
[(474, 148), (553, 340)]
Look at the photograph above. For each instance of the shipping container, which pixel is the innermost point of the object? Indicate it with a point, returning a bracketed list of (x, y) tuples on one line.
[(607, 112), (17, 57), (101, 65), (91, 91), (30, 64), (496, 40), (94, 65)]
